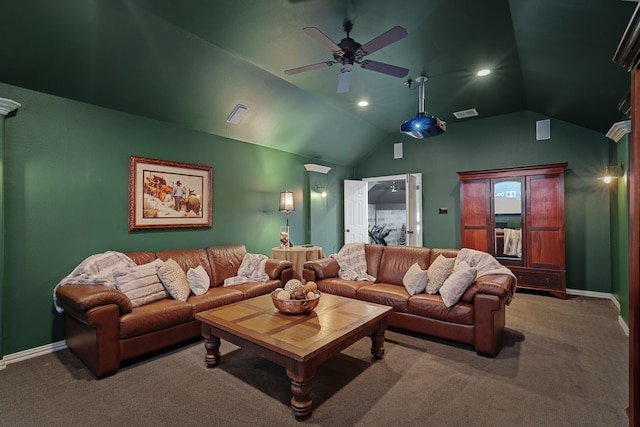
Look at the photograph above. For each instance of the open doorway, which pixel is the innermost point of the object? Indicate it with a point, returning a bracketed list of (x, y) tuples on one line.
[(385, 210)]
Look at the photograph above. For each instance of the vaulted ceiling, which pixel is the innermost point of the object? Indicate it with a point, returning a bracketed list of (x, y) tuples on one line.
[(190, 62)]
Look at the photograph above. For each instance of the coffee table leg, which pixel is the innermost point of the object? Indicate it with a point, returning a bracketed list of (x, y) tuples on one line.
[(377, 340), (301, 377), (212, 345)]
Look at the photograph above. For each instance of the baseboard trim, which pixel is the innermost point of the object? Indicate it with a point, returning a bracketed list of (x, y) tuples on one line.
[(604, 295), (32, 352)]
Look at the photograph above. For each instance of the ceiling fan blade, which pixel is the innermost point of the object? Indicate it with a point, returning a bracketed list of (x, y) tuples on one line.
[(384, 39), (325, 41), (380, 67), (309, 67), (345, 79)]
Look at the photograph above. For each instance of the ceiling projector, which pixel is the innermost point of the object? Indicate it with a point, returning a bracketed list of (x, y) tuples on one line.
[(422, 126)]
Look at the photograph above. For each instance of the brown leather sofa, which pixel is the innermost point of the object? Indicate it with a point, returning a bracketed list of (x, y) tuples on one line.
[(477, 320), (103, 329)]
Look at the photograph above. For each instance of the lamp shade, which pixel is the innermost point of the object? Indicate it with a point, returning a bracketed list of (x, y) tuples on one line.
[(286, 202)]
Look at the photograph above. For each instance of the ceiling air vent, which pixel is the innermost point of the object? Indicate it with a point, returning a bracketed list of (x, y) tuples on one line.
[(466, 113)]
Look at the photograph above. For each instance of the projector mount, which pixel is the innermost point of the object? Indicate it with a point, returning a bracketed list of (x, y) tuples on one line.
[(421, 125), (421, 80)]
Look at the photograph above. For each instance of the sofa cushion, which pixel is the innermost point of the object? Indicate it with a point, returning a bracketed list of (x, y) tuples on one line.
[(373, 254), (214, 297), (415, 279), (396, 260), (387, 294), (174, 279), (140, 284), (337, 286), (225, 261), (188, 258), (153, 317), (141, 257), (199, 281), (438, 272), (447, 253), (431, 306), (254, 289), (457, 282)]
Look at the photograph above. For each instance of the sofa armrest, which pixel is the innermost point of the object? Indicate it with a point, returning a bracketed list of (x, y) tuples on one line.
[(275, 267), (500, 285), (86, 297), (321, 269)]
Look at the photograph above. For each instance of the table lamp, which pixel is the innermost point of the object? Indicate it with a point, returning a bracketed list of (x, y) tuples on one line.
[(286, 206)]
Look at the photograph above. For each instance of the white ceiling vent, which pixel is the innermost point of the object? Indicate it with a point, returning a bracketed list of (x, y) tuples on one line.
[(472, 112)]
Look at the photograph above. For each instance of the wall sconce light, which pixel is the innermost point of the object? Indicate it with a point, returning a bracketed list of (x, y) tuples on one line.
[(286, 204), (613, 172), (320, 189)]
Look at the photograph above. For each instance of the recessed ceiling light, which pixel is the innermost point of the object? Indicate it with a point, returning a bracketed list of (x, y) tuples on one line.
[(484, 72), (363, 103)]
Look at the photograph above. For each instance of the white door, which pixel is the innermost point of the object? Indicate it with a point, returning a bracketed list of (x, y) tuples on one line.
[(356, 205), (414, 211)]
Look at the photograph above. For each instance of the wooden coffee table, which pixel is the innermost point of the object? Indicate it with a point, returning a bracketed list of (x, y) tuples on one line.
[(299, 343)]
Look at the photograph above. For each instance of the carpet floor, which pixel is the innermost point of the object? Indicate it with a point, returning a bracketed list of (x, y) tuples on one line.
[(564, 363)]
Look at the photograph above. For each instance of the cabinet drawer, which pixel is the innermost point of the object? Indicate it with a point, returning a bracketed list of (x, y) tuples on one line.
[(542, 279)]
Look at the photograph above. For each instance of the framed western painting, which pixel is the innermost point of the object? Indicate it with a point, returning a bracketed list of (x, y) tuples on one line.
[(165, 194)]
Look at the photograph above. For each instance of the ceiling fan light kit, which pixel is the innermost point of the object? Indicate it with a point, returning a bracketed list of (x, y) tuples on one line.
[(423, 125), (349, 52)]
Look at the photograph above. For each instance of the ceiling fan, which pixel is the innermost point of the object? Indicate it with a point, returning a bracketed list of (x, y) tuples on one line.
[(349, 52)]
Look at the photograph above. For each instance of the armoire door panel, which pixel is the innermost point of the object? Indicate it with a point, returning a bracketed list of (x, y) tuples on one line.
[(475, 210), (475, 238), (546, 249), (546, 202)]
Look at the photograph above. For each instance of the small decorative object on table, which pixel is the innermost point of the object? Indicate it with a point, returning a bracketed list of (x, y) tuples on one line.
[(296, 298), (284, 237)]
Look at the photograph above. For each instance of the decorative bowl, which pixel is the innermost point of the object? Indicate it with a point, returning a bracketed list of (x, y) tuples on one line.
[(295, 306)]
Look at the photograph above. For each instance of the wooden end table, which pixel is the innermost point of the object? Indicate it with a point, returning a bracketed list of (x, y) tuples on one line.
[(299, 343)]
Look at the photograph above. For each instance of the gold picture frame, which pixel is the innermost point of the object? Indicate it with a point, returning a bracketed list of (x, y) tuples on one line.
[(165, 194)]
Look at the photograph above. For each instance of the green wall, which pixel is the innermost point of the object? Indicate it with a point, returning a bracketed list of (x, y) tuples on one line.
[(65, 168), (505, 141), (619, 194), (65, 172)]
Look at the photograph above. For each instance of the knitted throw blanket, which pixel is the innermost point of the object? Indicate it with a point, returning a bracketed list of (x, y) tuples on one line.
[(252, 269), (483, 262), (353, 263), (95, 270)]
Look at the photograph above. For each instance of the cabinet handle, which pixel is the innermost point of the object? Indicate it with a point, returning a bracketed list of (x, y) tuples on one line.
[(547, 280)]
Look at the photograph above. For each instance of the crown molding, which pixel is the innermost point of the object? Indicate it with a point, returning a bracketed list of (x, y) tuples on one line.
[(312, 167), (7, 106), (618, 130)]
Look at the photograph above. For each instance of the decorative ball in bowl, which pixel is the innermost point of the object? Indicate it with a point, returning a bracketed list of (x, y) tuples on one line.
[(296, 298)]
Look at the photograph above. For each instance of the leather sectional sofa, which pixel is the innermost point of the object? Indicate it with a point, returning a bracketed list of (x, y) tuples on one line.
[(103, 329), (477, 319)]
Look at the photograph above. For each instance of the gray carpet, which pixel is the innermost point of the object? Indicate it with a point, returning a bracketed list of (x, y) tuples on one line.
[(564, 364)]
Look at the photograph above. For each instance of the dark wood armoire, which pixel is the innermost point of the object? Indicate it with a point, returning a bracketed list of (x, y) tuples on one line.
[(517, 214)]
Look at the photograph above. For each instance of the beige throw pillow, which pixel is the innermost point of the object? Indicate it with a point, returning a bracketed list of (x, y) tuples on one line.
[(415, 279), (438, 272), (458, 282), (140, 284), (199, 281), (174, 279)]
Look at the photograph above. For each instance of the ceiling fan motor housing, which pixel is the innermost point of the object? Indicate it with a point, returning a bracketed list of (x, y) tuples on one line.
[(351, 51)]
